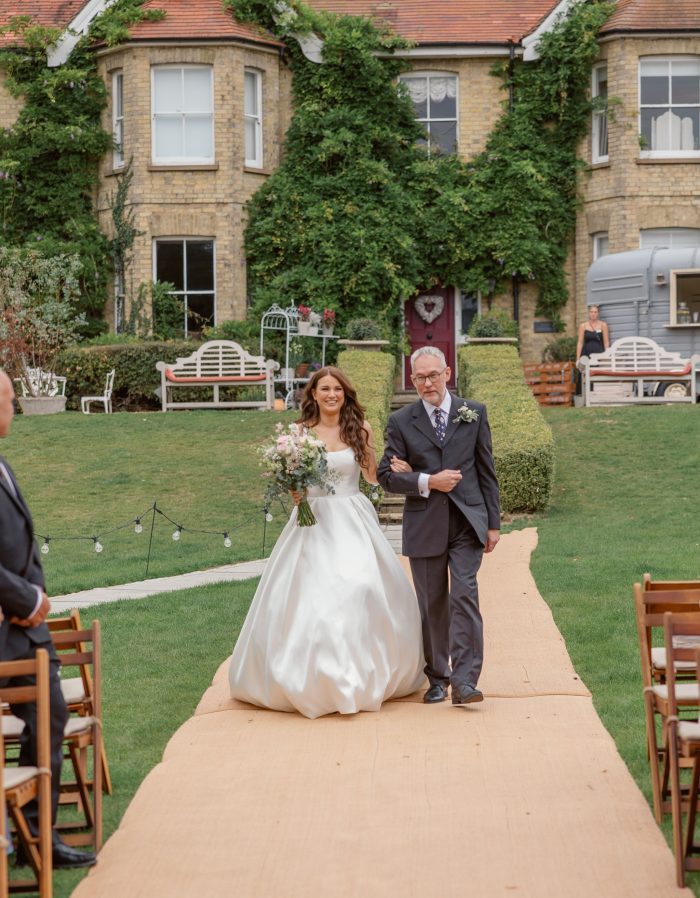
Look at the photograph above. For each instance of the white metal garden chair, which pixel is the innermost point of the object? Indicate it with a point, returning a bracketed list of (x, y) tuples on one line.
[(105, 398)]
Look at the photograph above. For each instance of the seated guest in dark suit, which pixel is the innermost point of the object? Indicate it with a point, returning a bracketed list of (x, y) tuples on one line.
[(25, 605)]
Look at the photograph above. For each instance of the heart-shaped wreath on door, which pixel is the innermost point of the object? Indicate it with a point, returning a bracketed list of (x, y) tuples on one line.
[(429, 307)]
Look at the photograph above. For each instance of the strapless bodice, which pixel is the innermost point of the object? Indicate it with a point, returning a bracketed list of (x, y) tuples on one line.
[(347, 470)]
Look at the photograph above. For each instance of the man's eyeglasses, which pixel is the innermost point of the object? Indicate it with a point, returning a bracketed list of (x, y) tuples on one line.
[(433, 377)]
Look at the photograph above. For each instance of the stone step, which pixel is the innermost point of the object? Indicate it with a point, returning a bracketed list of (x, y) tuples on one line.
[(390, 517)]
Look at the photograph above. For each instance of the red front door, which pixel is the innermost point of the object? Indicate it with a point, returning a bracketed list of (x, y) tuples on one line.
[(430, 321)]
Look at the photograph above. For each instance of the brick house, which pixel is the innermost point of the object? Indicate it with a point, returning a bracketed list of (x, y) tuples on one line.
[(201, 105)]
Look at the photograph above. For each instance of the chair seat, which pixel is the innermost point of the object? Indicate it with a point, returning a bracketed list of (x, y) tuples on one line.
[(11, 726), (689, 730), (16, 776), (658, 654), (78, 725), (73, 690), (686, 693)]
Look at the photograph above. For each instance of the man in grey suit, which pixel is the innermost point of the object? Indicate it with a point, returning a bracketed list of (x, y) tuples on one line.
[(439, 456), (23, 630)]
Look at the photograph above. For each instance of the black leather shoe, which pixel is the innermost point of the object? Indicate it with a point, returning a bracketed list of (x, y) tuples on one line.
[(436, 693), (466, 695), (66, 856)]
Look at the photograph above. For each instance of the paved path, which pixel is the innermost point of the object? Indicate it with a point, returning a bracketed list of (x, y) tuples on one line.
[(524, 794)]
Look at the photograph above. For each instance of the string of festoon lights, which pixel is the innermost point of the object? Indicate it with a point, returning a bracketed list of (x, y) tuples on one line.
[(149, 517)]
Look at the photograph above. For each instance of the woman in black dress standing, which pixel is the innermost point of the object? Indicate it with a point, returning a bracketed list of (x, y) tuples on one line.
[(593, 334)]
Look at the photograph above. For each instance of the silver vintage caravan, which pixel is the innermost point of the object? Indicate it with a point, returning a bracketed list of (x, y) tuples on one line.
[(652, 293)]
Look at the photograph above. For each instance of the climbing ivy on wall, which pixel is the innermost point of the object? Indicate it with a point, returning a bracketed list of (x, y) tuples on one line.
[(359, 217), (49, 157)]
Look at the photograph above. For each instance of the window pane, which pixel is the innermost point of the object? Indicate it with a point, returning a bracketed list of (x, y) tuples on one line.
[(418, 91), (169, 263), (250, 148), (250, 93), (654, 89), (441, 104), (198, 136), (685, 89), (198, 90), (167, 90), (602, 135), (200, 312), (443, 137), (119, 95), (200, 265), (169, 141), (470, 308)]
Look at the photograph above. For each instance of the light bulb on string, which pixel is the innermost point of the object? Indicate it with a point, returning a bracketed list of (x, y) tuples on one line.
[(45, 547), (176, 533), (98, 545), (138, 526), (227, 541), (268, 515)]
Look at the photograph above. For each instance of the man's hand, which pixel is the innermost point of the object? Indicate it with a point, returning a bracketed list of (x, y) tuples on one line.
[(492, 537), (444, 481), (38, 617)]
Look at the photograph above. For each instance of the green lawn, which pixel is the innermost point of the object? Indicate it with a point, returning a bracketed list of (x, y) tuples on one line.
[(84, 476), (625, 501)]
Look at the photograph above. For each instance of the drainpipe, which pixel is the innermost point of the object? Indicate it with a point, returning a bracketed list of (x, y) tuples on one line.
[(515, 286)]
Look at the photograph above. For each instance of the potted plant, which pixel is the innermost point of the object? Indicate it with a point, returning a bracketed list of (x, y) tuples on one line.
[(37, 321), (328, 322), (365, 334), (307, 320)]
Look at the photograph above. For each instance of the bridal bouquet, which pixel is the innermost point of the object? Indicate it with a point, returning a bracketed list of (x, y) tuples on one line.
[(295, 460)]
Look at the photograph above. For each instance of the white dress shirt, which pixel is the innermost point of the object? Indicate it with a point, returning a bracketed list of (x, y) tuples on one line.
[(445, 406)]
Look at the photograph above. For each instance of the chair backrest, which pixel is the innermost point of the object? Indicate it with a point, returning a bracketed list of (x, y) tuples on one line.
[(649, 585), (82, 649), (109, 386), (681, 637), (650, 607), (71, 623)]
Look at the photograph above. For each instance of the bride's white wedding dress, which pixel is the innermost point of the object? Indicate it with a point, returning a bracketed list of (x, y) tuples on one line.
[(334, 624)]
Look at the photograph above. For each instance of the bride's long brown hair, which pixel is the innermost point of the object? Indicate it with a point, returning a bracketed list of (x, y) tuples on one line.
[(352, 415)]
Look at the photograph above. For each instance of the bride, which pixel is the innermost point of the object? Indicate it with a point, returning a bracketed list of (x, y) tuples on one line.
[(334, 624)]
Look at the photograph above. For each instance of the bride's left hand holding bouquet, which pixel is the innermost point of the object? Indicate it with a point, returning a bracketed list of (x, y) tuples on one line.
[(294, 461)]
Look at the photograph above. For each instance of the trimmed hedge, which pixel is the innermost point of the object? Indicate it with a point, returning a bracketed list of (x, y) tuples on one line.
[(523, 444), (372, 375), (135, 364)]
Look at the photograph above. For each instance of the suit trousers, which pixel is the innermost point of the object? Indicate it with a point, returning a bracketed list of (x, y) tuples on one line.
[(448, 597), (28, 741)]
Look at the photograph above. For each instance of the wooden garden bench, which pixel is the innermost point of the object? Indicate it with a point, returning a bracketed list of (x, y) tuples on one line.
[(621, 373), (216, 364)]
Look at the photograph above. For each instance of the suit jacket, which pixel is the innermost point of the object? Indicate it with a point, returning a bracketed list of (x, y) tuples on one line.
[(467, 448), (20, 573)]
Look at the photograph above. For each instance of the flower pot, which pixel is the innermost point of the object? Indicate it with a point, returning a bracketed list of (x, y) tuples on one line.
[(304, 327), (313, 330), (287, 374), (42, 405), (327, 330)]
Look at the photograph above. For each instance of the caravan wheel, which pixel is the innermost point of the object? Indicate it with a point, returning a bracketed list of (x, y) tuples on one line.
[(673, 390)]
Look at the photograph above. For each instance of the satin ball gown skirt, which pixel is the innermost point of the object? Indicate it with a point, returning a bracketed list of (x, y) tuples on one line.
[(334, 625)]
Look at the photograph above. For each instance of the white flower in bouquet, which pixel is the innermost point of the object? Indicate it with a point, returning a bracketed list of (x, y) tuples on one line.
[(294, 461)]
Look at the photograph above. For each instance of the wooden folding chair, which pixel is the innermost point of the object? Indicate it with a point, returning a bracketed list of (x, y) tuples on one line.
[(683, 741), (4, 835), (650, 607), (82, 739), (23, 784), (77, 690)]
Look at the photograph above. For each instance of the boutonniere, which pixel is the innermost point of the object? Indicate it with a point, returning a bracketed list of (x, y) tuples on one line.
[(466, 414)]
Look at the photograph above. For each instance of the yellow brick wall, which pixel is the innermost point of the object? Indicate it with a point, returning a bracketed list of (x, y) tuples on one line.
[(628, 194), (9, 105), (187, 201)]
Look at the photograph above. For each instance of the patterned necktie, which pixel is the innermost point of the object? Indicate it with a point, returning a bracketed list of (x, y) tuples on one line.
[(439, 422)]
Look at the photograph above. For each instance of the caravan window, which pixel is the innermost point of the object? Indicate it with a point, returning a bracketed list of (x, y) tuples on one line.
[(685, 296)]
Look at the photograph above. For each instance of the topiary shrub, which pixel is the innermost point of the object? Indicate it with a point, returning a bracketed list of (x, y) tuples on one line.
[(523, 445), (372, 375)]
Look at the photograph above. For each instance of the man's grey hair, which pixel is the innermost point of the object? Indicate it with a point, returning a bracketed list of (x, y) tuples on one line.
[(432, 351)]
